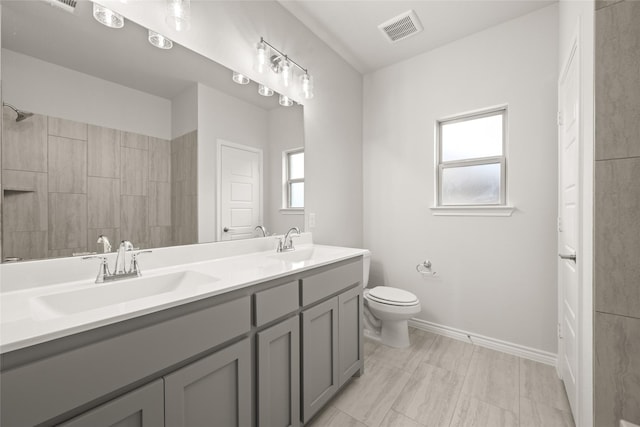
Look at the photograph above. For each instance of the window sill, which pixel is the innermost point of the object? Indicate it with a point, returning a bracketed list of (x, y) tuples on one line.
[(472, 210), (292, 211)]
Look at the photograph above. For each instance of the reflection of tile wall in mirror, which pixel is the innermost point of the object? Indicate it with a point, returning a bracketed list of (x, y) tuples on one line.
[(64, 209), (184, 189), (104, 152), (24, 144)]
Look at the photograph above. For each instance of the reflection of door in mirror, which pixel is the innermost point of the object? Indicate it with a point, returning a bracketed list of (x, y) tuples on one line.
[(240, 196)]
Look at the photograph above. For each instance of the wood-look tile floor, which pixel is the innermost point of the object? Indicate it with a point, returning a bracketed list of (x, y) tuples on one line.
[(441, 382)]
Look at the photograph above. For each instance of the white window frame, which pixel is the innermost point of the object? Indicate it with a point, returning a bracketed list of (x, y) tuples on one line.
[(286, 182), (495, 209)]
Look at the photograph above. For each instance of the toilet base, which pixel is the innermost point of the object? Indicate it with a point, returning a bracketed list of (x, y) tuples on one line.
[(395, 333)]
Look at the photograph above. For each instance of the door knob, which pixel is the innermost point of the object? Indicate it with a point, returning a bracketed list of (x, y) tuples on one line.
[(571, 257), (226, 229)]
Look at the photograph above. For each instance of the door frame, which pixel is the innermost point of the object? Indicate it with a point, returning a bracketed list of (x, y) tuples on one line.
[(225, 143)]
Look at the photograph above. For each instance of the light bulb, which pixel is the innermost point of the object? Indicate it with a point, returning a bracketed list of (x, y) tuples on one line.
[(261, 57), (160, 41), (306, 82), (264, 90), (285, 69), (285, 101), (241, 79), (179, 14), (107, 16)]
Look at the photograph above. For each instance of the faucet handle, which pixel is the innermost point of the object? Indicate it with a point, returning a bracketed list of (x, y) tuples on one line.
[(104, 267), (106, 244), (135, 265)]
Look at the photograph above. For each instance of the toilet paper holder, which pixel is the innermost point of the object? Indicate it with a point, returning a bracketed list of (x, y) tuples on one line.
[(425, 268)]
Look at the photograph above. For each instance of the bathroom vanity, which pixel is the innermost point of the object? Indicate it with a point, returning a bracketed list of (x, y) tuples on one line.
[(267, 341)]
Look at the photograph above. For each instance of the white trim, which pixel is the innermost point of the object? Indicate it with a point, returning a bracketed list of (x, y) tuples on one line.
[(220, 143), (292, 211), (482, 341), (472, 210)]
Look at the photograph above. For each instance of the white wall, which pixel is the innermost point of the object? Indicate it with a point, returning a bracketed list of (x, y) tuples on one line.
[(227, 33), (44, 88), (577, 17), (286, 132), (497, 275), (184, 112), (221, 116)]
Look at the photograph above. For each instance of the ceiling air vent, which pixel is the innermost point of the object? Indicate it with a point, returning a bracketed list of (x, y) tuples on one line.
[(402, 26), (66, 5)]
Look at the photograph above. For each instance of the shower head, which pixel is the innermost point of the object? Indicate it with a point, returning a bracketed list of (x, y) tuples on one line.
[(22, 115)]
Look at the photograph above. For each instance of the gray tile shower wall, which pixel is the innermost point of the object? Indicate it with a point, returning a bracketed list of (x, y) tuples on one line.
[(617, 217)]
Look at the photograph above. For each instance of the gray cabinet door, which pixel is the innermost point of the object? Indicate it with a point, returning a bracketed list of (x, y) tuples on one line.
[(350, 341), (143, 407), (279, 375), (319, 356), (213, 391)]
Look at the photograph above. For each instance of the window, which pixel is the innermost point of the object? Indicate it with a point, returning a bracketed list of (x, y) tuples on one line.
[(293, 173), (471, 160)]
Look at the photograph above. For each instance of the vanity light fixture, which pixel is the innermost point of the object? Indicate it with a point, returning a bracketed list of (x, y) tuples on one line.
[(280, 63), (241, 79), (179, 14), (261, 56), (285, 101), (264, 90), (285, 69), (306, 85), (107, 17), (160, 41)]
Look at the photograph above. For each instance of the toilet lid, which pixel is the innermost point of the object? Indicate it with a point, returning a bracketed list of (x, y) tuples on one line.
[(393, 296)]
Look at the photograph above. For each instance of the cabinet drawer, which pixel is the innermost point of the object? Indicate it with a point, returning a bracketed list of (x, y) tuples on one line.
[(321, 285), (276, 302), (60, 383), (143, 407)]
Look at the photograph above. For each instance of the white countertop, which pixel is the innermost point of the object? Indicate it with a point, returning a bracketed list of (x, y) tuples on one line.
[(24, 321)]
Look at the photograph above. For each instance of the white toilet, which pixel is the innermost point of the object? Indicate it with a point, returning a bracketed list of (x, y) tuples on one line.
[(387, 310)]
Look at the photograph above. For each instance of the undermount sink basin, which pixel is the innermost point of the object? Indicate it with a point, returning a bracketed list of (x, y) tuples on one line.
[(296, 255), (96, 296)]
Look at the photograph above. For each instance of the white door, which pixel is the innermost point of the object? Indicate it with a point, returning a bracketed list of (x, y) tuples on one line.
[(239, 195), (568, 217)]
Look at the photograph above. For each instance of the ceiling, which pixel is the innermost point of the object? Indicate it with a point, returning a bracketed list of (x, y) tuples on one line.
[(78, 42), (351, 27)]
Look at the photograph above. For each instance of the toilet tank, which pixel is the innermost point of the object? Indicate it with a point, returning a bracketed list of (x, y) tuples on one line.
[(366, 264)]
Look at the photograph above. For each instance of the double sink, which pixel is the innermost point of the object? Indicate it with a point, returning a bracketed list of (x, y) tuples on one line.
[(125, 295)]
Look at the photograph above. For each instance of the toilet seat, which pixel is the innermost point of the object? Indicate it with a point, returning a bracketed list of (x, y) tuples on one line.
[(392, 296)]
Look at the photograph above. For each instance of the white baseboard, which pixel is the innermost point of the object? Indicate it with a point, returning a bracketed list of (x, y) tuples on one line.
[(492, 343)]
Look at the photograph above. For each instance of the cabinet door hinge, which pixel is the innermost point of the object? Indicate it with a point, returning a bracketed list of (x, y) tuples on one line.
[(559, 118)]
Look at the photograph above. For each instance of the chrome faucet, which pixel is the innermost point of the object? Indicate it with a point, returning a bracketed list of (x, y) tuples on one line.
[(120, 270), (262, 229), (106, 245), (286, 244)]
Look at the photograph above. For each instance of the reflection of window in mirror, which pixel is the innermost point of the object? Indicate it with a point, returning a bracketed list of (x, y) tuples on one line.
[(293, 179)]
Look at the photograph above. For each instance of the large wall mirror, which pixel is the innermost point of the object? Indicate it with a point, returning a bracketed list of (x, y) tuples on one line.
[(113, 136)]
